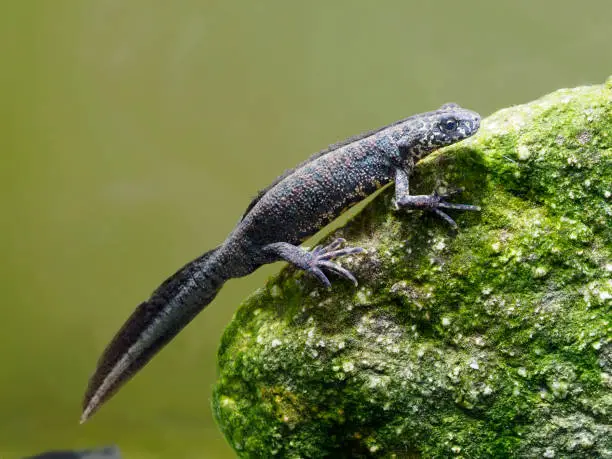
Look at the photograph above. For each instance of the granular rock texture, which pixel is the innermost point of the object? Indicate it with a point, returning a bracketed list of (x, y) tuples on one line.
[(491, 342)]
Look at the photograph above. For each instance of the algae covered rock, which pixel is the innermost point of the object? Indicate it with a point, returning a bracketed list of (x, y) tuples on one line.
[(491, 342)]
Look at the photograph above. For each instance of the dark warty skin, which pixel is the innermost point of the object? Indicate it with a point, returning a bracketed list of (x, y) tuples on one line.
[(294, 207)]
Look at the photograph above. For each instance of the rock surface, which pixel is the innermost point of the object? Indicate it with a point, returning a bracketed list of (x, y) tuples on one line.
[(491, 342)]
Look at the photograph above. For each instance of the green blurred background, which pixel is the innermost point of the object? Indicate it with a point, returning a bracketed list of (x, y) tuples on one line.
[(133, 133)]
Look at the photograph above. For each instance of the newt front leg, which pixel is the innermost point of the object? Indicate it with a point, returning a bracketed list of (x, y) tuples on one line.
[(433, 202)]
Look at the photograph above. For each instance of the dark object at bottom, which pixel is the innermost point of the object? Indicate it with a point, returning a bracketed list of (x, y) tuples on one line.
[(109, 452)]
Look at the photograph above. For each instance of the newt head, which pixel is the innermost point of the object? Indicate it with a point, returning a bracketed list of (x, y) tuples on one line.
[(445, 126)]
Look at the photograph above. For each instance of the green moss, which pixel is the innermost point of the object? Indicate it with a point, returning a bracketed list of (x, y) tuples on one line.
[(491, 342)]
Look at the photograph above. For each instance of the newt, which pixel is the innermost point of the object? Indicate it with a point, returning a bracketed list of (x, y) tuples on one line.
[(294, 207)]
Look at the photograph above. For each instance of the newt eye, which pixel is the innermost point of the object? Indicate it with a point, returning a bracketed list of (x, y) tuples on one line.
[(449, 124)]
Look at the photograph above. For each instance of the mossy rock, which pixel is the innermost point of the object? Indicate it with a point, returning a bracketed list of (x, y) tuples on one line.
[(494, 341)]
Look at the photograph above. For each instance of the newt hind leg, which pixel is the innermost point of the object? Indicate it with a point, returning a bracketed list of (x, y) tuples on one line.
[(316, 261)]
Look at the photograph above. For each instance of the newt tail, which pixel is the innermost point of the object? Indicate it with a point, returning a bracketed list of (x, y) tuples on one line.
[(151, 326)]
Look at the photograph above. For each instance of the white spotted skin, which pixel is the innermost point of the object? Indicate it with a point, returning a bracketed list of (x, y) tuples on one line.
[(319, 191)]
